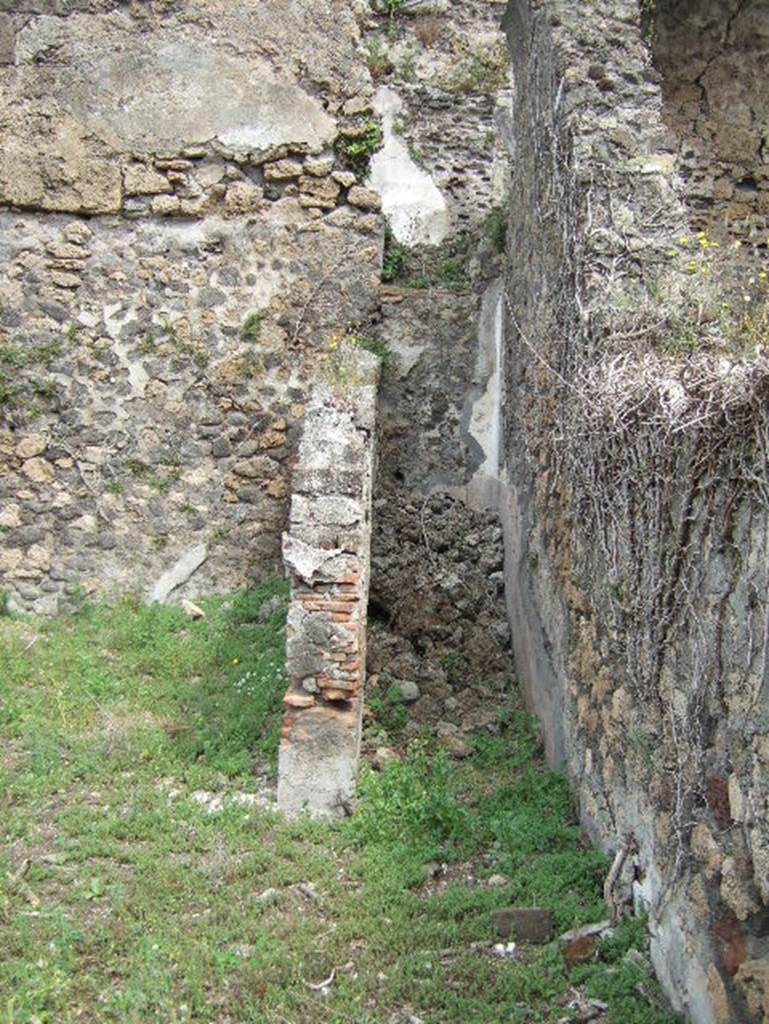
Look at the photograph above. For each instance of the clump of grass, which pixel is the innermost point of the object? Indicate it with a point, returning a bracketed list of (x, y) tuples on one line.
[(428, 30), (252, 327), (377, 58), (394, 257), (383, 352), (495, 228), (388, 710), (344, 369), (21, 383), (712, 297), (433, 267), (439, 268), (483, 69), (361, 147)]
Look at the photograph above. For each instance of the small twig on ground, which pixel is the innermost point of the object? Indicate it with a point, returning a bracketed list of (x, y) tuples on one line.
[(322, 984), (18, 874)]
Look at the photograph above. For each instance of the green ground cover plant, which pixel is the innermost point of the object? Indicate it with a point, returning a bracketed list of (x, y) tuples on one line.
[(360, 148), (141, 880), (430, 267)]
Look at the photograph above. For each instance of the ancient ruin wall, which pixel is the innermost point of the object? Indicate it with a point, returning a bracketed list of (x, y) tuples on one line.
[(713, 59), (182, 230), (180, 234), (636, 509), (327, 555)]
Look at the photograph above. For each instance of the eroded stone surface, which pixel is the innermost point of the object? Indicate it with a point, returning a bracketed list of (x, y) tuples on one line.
[(623, 722)]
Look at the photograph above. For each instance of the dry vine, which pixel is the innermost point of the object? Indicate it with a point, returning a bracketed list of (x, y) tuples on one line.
[(658, 458)]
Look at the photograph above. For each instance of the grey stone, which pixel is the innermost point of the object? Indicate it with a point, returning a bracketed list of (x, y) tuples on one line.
[(221, 447), (179, 573), (601, 929), (525, 924), (451, 739), (7, 39), (408, 691), (211, 297)]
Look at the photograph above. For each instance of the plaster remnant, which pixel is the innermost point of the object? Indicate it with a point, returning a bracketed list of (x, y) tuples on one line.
[(178, 92), (484, 410), (304, 559), (179, 573), (411, 200)]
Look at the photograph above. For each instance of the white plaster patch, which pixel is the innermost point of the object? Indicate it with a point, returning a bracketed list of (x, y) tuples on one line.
[(304, 559), (178, 93), (485, 424), (179, 573), (411, 200)]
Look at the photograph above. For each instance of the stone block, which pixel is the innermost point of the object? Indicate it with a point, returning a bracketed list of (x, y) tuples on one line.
[(319, 166), (141, 180), (40, 471), (7, 39), (282, 170), (365, 198), (31, 445), (524, 924), (166, 206), (752, 981)]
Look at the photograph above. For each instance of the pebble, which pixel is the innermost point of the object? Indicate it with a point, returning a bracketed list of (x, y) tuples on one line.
[(408, 690)]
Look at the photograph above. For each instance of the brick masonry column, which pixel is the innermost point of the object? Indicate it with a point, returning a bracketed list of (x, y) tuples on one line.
[(326, 552)]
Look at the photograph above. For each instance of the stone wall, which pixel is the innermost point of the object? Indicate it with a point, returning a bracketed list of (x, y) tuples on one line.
[(444, 89), (181, 233), (635, 573), (182, 230), (327, 556), (713, 59)]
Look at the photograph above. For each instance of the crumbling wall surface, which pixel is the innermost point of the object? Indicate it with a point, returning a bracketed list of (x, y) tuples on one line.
[(713, 58), (180, 235), (443, 73), (327, 555), (635, 507)]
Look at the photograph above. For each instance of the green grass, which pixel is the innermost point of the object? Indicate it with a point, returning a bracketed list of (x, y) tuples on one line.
[(20, 389), (432, 267), (252, 327), (122, 899), (359, 149)]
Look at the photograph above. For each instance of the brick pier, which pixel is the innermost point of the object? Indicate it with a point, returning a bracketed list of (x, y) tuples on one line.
[(326, 553)]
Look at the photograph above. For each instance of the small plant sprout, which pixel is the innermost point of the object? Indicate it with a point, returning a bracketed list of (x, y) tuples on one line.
[(360, 148), (252, 327), (345, 369)]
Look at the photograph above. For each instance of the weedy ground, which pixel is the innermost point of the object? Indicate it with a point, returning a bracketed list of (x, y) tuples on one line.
[(139, 880)]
